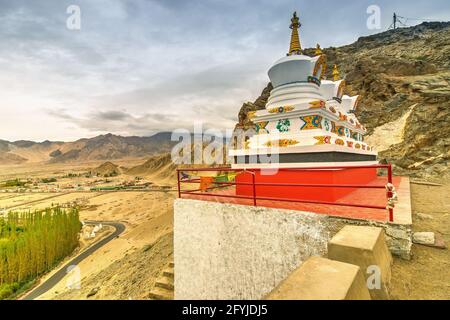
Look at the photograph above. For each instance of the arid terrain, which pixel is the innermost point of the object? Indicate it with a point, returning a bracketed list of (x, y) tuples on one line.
[(427, 274), (144, 206), (128, 266)]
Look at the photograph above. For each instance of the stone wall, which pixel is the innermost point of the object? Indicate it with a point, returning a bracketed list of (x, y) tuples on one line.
[(227, 251)]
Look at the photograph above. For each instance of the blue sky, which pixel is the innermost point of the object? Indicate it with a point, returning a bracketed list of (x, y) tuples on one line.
[(139, 66)]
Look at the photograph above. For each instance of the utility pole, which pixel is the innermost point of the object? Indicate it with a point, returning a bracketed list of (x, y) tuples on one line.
[(395, 20)]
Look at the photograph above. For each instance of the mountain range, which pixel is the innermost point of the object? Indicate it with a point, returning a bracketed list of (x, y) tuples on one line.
[(103, 147)]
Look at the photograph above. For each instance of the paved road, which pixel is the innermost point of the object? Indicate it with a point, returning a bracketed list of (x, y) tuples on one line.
[(57, 277)]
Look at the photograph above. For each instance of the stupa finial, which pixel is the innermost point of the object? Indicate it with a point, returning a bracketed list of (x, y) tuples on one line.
[(318, 51), (335, 73), (295, 47)]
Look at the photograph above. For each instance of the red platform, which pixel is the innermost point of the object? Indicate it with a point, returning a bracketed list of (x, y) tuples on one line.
[(357, 196), (350, 192), (287, 178)]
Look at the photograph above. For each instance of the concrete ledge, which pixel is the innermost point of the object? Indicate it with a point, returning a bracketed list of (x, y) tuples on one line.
[(365, 247), (322, 279)]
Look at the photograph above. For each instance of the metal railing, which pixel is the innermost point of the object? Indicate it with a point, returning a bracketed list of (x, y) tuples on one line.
[(254, 197)]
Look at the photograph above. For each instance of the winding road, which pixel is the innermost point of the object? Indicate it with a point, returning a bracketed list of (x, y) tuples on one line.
[(59, 275)]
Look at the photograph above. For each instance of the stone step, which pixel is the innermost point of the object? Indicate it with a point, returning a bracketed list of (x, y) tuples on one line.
[(160, 294), (365, 247), (169, 272), (165, 282), (322, 279)]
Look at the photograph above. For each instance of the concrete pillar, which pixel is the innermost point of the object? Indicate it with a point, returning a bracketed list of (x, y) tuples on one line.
[(365, 247), (322, 279)]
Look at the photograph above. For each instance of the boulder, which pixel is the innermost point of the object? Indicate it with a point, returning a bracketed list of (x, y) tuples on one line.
[(426, 238)]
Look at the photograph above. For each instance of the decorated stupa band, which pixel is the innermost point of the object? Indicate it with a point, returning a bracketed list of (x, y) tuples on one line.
[(307, 117)]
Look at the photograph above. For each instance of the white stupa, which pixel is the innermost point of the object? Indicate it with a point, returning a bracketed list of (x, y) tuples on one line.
[(307, 119)]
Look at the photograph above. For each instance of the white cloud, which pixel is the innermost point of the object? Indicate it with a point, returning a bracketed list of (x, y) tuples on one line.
[(162, 64)]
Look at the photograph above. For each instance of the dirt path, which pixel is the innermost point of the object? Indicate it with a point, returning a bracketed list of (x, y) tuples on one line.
[(427, 275)]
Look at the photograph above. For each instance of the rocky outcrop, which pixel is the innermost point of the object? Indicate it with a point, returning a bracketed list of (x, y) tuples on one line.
[(394, 71), (259, 104), (107, 169)]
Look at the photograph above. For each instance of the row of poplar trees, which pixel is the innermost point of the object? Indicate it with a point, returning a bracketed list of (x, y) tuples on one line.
[(33, 242)]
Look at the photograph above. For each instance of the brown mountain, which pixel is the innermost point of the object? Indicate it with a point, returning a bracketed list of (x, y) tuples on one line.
[(103, 147), (107, 169), (403, 78), (159, 166)]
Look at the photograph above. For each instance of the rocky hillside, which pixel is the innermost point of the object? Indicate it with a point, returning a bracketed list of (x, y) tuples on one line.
[(107, 169), (103, 147), (403, 78), (159, 167)]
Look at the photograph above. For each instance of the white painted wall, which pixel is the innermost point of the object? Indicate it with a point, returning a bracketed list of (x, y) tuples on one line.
[(225, 251)]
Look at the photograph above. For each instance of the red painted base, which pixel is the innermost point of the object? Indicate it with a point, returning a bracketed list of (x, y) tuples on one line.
[(359, 176)]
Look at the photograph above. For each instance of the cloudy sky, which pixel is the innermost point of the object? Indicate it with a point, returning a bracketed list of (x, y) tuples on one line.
[(136, 67)]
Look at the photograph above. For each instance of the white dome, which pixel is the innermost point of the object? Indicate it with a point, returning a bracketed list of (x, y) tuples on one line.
[(292, 69), (349, 103), (293, 94), (329, 89)]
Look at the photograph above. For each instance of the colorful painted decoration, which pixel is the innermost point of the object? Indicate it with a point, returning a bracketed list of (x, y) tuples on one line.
[(314, 80), (281, 143), (327, 124), (357, 146), (261, 127), (363, 147), (342, 117), (311, 122), (281, 109), (332, 109), (340, 130), (339, 142), (333, 126), (350, 144), (317, 104), (355, 136), (251, 114), (283, 125), (323, 140), (347, 132)]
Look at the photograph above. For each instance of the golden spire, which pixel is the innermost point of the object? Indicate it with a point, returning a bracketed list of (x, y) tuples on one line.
[(295, 47), (318, 51), (335, 73)]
